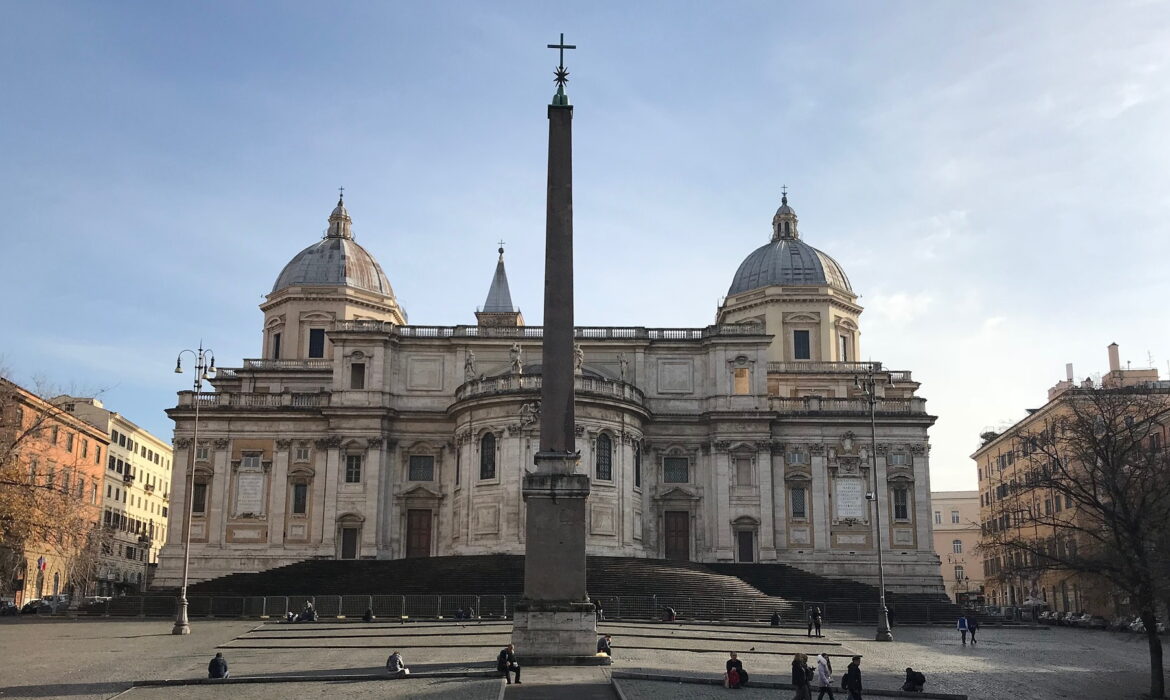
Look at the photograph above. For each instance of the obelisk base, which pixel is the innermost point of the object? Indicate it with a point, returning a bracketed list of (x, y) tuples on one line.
[(555, 624)]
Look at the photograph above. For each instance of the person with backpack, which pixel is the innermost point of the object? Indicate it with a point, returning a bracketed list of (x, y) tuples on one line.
[(801, 677), (824, 676), (914, 681), (735, 676), (217, 668), (962, 627), (851, 683)]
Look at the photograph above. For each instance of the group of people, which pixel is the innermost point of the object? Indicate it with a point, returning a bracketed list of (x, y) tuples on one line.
[(307, 614), (968, 624), (805, 677)]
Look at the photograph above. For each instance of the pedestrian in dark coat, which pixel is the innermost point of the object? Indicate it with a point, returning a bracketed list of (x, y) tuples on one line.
[(801, 677), (816, 620), (775, 619), (914, 681), (851, 682), (972, 627), (605, 645), (217, 668)]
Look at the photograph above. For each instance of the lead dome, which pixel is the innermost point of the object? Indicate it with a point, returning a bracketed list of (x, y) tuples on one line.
[(335, 260), (787, 261)]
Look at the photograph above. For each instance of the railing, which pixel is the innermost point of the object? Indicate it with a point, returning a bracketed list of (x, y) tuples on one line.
[(288, 364), (818, 367), (514, 383), (582, 332), (500, 607), (816, 404), (216, 399)]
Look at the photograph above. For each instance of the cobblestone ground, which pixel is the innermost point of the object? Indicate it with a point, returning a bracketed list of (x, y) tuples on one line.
[(92, 659)]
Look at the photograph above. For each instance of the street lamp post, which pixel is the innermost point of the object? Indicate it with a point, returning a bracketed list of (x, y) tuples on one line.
[(867, 384), (204, 369)]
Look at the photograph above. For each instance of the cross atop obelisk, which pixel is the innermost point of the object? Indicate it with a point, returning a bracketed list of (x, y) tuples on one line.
[(562, 75)]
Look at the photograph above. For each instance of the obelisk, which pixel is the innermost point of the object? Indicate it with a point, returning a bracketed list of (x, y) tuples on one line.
[(554, 623)]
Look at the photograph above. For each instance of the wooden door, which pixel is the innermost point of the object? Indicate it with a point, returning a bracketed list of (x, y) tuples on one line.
[(418, 533), (349, 543), (678, 535), (747, 545)]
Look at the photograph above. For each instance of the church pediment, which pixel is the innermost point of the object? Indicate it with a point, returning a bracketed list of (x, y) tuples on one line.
[(678, 493), (420, 492)]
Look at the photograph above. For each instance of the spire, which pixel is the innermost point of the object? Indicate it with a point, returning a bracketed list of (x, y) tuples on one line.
[(784, 222), (340, 225), (498, 309), (561, 74)]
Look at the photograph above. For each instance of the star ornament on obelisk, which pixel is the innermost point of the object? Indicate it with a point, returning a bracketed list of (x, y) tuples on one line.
[(554, 623)]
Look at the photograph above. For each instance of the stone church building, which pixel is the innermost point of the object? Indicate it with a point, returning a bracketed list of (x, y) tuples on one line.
[(358, 435)]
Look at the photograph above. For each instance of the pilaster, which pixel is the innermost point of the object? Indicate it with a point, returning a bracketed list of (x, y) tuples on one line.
[(279, 488)]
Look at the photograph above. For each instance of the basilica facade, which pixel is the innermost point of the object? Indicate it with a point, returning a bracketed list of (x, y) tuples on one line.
[(359, 435)]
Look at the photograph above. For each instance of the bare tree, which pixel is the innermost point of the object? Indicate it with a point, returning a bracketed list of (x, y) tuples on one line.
[(1094, 502)]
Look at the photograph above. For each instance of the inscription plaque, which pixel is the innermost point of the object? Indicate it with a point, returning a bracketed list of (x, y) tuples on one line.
[(850, 498), (249, 493)]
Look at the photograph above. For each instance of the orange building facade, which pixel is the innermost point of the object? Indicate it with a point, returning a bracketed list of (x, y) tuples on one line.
[(61, 456)]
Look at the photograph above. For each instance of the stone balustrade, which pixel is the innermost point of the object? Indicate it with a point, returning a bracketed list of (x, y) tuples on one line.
[(809, 405), (537, 332), (314, 364), (218, 399), (519, 383), (852, 368)]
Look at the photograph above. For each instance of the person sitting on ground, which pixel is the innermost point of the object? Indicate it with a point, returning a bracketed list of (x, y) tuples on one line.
[(914, 681), (460, 615), (309, 613), (291, 617), (605, 645), (506, 663), (368, 616), (775, 619), (217, 668), (669, 615), (801, 677), (396, 667), (852, 680), (735, 677), (824, 676)]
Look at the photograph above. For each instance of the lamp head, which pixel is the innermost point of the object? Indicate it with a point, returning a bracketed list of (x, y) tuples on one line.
[(179, 366)]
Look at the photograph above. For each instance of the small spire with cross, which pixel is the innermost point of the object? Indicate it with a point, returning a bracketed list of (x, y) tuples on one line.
[(340, 195), (501, 249), (784, 194), (561, 74)]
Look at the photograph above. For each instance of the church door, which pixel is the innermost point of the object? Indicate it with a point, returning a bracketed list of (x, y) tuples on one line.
[(678, 535), (418, 533), (747, 545), (349, 542)]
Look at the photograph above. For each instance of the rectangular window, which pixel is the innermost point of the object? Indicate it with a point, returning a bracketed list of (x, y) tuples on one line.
[(353, 469), (743, 381), (121, 439), (202, 451), (316, 342), (1056, 502), (130, 554), (1068, 501), (798, 458), (799, 502), (300, 500), (199, 501), (901, 504), (276, 346), (638, 464), (743, 471), (84, 448), (897, 459), (938, 517), (56, 434), (843, 346), (676, 470), (955, 517), (113, 463), (801, 347), (357, 375), (251, 460), (301, 454), (422, 468)]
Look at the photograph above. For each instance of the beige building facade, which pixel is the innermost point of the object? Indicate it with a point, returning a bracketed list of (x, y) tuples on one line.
[(135, 498), (955, 515), (358, 435)]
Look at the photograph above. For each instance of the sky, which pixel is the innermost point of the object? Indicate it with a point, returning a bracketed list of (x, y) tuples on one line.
[(992, 176)]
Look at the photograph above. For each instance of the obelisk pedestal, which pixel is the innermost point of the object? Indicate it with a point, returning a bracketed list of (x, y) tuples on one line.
[(554, 623)]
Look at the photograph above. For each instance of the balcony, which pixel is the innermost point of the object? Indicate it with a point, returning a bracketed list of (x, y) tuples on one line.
[(525, 383), (149, 488), (849, 368), (815, 405), (262, 401), (127, 478), (313, 364)]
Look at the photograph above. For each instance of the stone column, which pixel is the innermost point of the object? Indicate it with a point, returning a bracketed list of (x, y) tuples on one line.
[(279, 485), (373, 487), (819, 499), (220, 495), (555, 622), (767, 510)]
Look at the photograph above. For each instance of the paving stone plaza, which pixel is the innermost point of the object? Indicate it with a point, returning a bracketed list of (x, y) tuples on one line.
[(97, 659)]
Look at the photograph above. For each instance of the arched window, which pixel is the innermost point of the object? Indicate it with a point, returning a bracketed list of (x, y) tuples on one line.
[(957, 546), (487, 456), (604, 458)]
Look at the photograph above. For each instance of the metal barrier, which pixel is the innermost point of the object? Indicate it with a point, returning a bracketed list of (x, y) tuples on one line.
[(499, 607)]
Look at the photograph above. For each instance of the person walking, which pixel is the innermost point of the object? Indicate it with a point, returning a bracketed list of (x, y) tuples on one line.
[(852, 680), (816, 620), (217, 668), (824, 676), (972, 626), (801, 677), (507, 665), (962, 627)]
